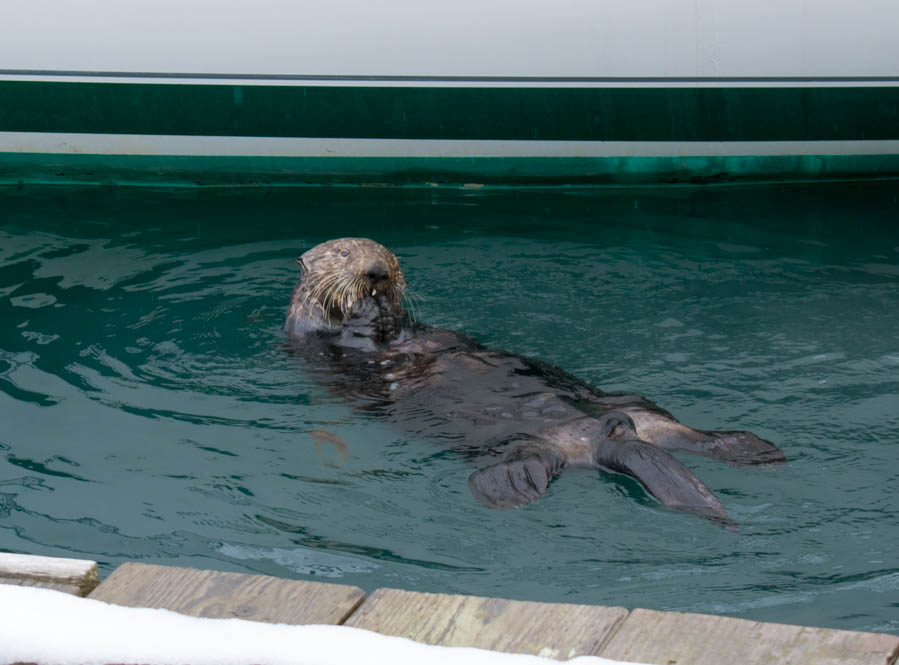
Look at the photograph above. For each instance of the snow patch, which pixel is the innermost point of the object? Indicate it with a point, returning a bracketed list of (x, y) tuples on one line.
[(50, 627)]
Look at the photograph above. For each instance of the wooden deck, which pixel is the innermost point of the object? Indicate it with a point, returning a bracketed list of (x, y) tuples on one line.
[(554, 630)]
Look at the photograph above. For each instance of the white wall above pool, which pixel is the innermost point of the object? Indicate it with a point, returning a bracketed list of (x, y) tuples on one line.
[(561, 38)]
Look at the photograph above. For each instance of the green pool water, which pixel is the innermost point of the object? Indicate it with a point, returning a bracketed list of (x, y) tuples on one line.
[(149, 410)]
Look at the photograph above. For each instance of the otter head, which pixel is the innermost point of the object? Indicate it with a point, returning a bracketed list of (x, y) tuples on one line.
[(342, 280)]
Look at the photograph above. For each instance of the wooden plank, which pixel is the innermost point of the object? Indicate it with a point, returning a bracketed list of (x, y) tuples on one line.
[(72, 589), (75, 576), (552, 630), (673, 638), (213, 594)]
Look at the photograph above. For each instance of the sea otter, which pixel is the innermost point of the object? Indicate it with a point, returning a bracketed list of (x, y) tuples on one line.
[(523, 420)]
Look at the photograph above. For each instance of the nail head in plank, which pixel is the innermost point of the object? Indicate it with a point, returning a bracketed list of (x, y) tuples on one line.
[(674, 638), (553, 630), (213, 594), (75, 576)]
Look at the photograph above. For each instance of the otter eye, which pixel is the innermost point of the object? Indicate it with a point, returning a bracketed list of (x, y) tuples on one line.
[(344, 253)]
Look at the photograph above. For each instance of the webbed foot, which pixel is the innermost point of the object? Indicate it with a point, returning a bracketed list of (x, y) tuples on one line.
[(661, 474), (523, 475)]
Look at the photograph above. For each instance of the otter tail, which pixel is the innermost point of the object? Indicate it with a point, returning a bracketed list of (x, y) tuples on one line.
[(737, 448)]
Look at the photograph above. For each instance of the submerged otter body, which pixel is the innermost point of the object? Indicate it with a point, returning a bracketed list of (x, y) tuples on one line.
[(522, 420)]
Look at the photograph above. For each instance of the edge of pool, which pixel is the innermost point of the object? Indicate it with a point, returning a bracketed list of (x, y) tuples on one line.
[(554, 630)]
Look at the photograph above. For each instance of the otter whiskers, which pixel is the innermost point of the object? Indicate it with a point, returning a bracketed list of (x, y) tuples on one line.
[(412, 299)]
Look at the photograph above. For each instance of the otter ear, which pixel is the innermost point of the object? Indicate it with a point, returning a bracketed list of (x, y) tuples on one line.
[(300, 262)]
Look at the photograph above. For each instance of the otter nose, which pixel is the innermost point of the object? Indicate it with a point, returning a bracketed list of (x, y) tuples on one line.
[(377, 273)]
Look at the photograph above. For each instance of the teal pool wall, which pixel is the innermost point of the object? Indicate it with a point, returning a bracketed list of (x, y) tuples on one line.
[(188, 171), (784, 132), (492, 113)]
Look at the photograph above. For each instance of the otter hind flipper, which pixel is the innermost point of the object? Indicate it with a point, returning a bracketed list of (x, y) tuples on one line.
[(737, 448), (661, 474), (521, 477)]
